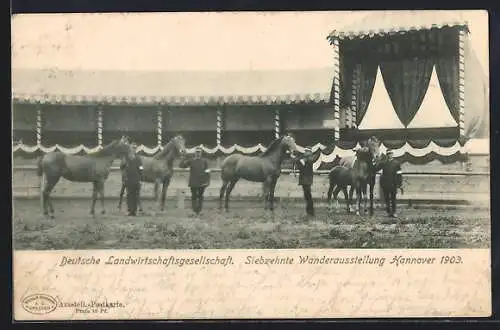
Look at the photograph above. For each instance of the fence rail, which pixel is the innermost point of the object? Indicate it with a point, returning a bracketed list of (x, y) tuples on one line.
[(288, 171)]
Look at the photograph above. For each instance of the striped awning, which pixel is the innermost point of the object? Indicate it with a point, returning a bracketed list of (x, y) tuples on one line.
[(397, 22), (173, 100), (172, 88)]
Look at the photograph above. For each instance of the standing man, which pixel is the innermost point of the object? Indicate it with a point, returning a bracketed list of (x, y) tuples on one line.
[(199, 178), (305, 166), (133, 171), (391, 180)]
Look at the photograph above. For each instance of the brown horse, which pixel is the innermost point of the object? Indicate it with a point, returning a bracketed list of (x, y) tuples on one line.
[(157, 169), (339, 178), (265, 168), (93, 167), (356, 171)]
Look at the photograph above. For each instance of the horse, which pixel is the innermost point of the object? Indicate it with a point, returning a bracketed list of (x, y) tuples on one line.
[(157, 169), (265, 168), (93, 167), (339, 179), (368, 162)]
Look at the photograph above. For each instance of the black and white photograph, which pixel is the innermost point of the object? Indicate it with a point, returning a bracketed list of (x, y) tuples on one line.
[(271, 130)]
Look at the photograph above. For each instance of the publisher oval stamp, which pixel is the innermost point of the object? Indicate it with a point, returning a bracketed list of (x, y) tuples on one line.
[(39, 303)]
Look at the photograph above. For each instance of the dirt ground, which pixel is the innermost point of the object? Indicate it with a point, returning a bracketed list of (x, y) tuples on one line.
[(246, 226)]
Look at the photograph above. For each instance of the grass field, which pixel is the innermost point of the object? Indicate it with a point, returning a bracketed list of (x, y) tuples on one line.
[(246, 226)]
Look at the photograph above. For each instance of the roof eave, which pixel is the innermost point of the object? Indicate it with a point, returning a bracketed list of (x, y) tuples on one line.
[(316, 98), (366, 34)]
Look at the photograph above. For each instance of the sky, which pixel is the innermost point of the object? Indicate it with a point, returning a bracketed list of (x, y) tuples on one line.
[(191, 41)]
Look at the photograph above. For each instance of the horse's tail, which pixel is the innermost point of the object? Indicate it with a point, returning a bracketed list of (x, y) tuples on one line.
[(39, 167)]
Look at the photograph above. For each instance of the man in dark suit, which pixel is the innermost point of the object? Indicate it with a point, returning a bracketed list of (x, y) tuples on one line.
[(391, 180), (133, 171), (305, 166), (199, 178)]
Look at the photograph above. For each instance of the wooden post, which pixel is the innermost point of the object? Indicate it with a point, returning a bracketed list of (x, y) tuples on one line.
[(38, 125), (39, 144), (461, 82), (159, 123), (276, 123), (219, 126), (99, 126), (336, 89), (354, 97)]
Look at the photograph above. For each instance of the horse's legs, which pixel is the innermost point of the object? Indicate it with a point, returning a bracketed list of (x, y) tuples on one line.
[(365, 198), (230, 188), (381, 196), (335, 196), (100, 185), (222, 192), (349, 200), (346, 197), (358, 197), (49, 184), (156, 193), (272, 187), (372, 185), (94, 197), (330, 192), (266, 191), (164, 188), (49, 199)]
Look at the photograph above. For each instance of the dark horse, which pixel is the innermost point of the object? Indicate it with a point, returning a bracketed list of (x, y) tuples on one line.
[(356, 172), (265, 168), (93, 167), (157, 169)]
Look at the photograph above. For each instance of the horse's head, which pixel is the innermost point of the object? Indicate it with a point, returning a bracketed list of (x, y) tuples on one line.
[(336, 160), (288, 144), (124, 148), (374, 144), (180, 144), (379, 161), (124, 139)]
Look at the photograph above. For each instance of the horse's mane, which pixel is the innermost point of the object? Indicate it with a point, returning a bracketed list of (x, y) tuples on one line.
[(273, 145), (166, 149), (105, 150)]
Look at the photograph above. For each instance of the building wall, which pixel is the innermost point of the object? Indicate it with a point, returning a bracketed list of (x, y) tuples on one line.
[(139, 123), (69, 125), (24, 123), (198, 125), (308, 123), (245, 125)]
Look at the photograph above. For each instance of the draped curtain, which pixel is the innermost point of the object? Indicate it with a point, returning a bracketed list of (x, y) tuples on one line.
[(447, 69), (352, 61), (406, 82), (346, 72), (447, 73), (406, 63), (367, 72)]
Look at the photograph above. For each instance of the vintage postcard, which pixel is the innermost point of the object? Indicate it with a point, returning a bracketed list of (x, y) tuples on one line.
[(251, 165)]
